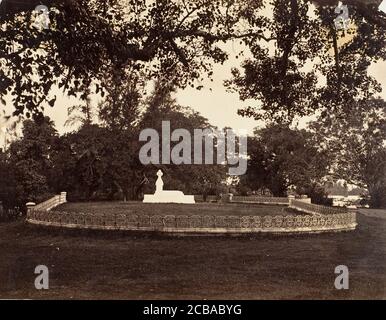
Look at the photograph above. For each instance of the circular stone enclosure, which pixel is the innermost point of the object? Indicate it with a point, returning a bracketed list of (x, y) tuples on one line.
[(200, 218)]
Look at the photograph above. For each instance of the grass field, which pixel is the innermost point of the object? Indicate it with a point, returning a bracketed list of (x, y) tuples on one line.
[(174, 209), (90, 264)]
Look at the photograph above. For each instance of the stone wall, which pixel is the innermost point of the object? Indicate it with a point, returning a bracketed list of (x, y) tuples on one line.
[(318, 219), (197, 224)]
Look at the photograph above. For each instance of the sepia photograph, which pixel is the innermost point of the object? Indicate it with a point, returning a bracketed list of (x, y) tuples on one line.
[(210, 151)]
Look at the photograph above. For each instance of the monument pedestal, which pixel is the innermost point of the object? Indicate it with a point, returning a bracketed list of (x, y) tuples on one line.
[(166, 196)]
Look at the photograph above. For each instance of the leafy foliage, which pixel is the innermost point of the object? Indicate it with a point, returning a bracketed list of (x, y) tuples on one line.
[(356, 145), (89, 39), (307, 65), (196, 179), (28, 164), (282, 158)]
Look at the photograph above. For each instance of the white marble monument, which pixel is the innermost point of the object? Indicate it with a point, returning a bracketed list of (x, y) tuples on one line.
[(166, 196)]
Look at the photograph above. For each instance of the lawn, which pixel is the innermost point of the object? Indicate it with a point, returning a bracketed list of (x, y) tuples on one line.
[(110, 264), (232, 209)]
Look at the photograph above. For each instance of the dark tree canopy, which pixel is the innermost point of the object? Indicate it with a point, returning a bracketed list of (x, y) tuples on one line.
[(357, 147), (309, 65), (89, 39), (282, 158)]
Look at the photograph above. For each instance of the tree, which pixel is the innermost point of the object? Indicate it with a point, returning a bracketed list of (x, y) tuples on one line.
[(89, 39), (124, 171), (120, 109), (120, 115), (31, 159), (101, 161), (190, 178), (81, 113), (307, 65), (8, 183), (356, 144), (86, 149), (281, 157)]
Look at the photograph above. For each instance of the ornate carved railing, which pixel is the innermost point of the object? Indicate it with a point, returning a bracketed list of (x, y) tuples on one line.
[(315, 208), (260, 199), (195, 223), (246, 199)]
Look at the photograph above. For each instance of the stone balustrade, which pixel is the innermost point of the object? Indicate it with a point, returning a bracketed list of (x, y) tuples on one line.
[(48, 204), (197, 224), (311, 208), (315, 219)]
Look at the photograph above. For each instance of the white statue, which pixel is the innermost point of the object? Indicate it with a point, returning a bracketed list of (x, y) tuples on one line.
[(159, 184)]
